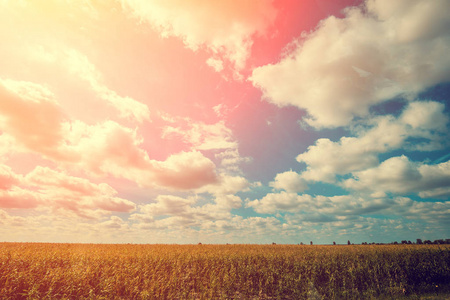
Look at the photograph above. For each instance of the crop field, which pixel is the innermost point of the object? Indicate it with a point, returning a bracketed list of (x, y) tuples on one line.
[(85, 271)]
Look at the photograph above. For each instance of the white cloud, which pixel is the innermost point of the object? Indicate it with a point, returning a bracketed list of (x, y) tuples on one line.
[(421, 119), (110, 148), (283, 201), (290, 181), (168, 205), (401, 176), (202, 136), (226, 184), (225, 28), (231, 160), (8, 178), (347, 65), (216, 64), (79, 65), (30, 115)]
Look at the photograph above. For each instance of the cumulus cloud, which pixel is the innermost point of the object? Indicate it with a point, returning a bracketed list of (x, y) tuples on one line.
[(230, 160), (349, 212), (202, 136), (421, 119), (225, 28), (226, 184), (8, 178), (32, 117), (168, 205), (399, 175), (330, 76), (185, 170), (110, 148), (68, 192), (283, 201), (56, 190), (16, 197), (79, 65), (8, 220), (30, 114), (290, 181)]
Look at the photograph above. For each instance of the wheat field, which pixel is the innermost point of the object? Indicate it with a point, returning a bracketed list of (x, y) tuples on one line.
[(90, 271)]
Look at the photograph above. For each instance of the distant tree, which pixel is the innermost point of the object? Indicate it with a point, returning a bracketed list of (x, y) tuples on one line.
[(311, 243), (348, 242), (334, 243), (419, 241)]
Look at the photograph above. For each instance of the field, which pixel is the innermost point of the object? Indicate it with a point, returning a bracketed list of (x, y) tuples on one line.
[(84, 271)]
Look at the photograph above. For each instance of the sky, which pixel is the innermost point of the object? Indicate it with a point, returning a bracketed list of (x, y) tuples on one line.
[(145, 121)]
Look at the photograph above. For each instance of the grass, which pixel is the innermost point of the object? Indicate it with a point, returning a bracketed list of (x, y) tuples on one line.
[(86, 271)]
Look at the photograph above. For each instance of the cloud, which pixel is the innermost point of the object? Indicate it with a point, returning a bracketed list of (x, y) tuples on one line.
[(421, 119), (349, 212), (110, 148), (399, 175), (231, 160), (79, 65), (105, 148), (33, 118), (184, 170), (13, 196), (290, 181), (283, 201), (68, 192), (225, 185), (44, 187), (8, 220), (114, 223), (30, 114), (225, 28), (168, 205), (8, 178), (16, 197), (328, 74), (201, 136)]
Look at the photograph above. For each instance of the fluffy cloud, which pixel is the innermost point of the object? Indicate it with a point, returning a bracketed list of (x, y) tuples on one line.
[(185, 170), (30, 114), (274, 202), (231, 160), (79, 65), (110, 148), (7, 220), (424, 119), (59, 191), (168, 205), (401, 176), (202, 136), (16, 197), (290, 181), (330, 76), (8, 178), (68, 192), (224, 27), (346, 212), (226, 185)]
